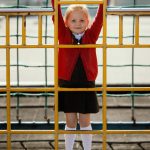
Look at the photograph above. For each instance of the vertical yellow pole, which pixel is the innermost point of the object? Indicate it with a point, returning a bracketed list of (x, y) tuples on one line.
[(120, 29), (39, 29), (8, 83), (7, 30), (104, 102), (56, 71), (136, 30), (23, 30)]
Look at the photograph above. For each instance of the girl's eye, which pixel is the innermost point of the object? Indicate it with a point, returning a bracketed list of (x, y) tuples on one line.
[(73, 21), (82, 20)]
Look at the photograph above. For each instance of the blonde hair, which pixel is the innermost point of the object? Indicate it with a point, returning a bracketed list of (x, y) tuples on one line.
[(74, 7)]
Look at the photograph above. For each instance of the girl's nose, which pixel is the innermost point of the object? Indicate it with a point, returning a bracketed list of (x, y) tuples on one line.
[(78, 23)]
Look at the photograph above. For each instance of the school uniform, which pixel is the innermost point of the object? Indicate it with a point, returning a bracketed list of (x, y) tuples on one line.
[(78, 67), (81, 102)]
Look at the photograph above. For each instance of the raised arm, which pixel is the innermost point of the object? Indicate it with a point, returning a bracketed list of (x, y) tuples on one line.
[(97, 24), (61, 24)]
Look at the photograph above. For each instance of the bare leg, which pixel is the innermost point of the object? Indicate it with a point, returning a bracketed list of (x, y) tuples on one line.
[(71, 123), (71, 120), (84, 120)]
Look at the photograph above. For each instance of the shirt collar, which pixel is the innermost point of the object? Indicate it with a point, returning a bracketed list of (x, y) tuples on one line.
[(78, 36)]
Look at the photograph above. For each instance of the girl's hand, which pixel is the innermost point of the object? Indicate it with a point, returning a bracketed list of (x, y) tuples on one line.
[(108, 2)]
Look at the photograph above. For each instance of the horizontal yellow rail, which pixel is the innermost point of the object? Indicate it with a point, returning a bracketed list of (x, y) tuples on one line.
[(80, 2), (129, 46), (78, 46), (3, 131), (80, 89), (27, 46), (77, 132), (129, 13), (52, 89), (128, 131), (29, 89), (27, 13), (133, 89)]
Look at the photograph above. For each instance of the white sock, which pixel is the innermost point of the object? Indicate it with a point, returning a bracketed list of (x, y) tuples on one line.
[(69, 139), (86, 138)]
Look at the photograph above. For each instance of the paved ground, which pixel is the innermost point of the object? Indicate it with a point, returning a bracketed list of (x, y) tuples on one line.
[(43, 142)]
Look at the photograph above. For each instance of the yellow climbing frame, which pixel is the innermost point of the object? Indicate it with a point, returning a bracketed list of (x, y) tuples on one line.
[(104, 89)]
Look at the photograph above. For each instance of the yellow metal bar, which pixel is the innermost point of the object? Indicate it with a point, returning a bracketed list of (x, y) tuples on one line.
[(23, 30), (79, 2), (81, 46), (80, 89), (52, 46), (56, 118), (8, 141), (2, 89), (119, 89), (77, 132), (26, 46), (104, 85), (8, 92), (54, 132), (39, 29), (81, 132), (120, 30), (133, 89), (7, 30), (129, 46), (3, 131), (32, 132), (128, 131), (74, 46), (129, 13), (48, 13), (29, 89), (137, 30), (8, 82)]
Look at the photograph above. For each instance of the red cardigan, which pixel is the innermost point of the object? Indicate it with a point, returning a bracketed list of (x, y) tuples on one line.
[(67, 57)]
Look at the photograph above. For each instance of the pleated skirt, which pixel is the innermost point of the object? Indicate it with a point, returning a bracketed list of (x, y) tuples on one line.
[(78, 101)]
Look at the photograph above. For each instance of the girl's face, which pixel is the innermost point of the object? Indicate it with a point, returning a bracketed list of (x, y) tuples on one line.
[(77, 21)]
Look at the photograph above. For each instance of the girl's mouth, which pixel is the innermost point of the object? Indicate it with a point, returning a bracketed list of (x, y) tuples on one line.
[(78, 28)]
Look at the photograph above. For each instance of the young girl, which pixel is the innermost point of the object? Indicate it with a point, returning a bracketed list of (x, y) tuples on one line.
[(78, 68)]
